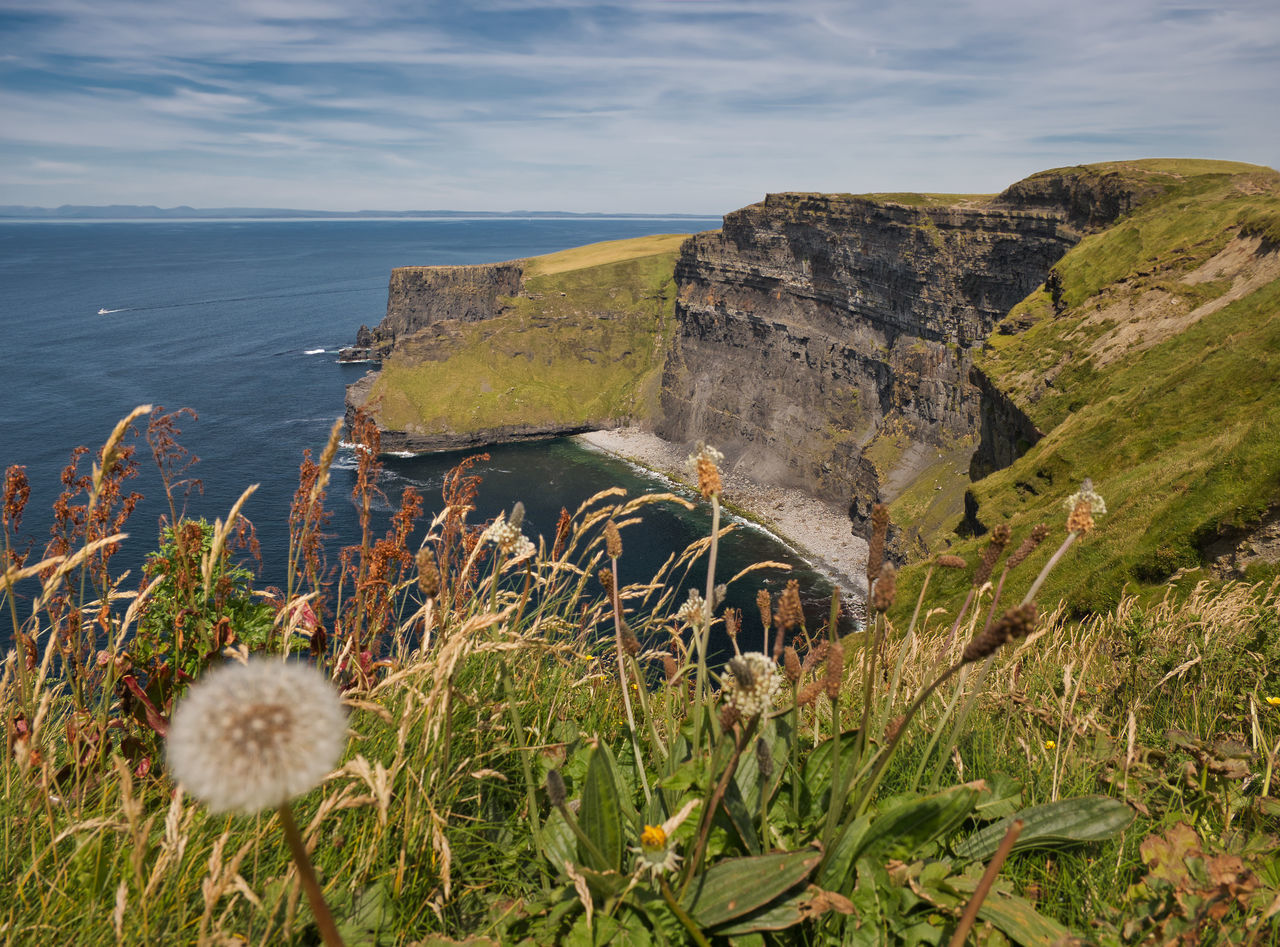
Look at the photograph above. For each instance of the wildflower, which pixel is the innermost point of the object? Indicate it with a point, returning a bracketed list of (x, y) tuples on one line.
[(1273, 701), (1049, 744), (656, 853), (705, 464), (1086, 494), (252, 736), (751, 684), (691, 611), (508, 538)]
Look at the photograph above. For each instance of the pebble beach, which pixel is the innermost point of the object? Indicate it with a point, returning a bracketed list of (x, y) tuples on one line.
[(816, 529)]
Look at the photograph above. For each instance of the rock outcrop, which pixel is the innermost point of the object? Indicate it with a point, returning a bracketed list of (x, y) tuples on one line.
[(419, 296), (813, 325)]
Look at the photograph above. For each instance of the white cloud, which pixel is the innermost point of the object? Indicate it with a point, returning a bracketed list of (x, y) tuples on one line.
[(614, 105)]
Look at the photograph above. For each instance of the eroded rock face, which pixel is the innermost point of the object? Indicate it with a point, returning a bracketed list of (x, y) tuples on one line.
[(812, 323), (420, 296)]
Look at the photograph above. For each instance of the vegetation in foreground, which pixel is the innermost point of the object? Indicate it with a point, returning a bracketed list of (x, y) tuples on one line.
[(539, 754)]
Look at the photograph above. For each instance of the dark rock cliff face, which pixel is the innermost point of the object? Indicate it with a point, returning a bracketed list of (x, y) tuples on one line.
[(418, 296), (812, 323)]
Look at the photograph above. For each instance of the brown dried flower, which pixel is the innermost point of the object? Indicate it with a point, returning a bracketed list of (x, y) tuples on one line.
[(835, 670), (791, 664), (952, 562), (606, 579), (886, 587), (428, 573), (556, 791), (790, 610), (630, 644), (612, 540), (670, 668), (1081, 518), (810, 693), (875, 548), (705, 462), (765, 603), (1016, 623), (1000, 536), (1028, 545)]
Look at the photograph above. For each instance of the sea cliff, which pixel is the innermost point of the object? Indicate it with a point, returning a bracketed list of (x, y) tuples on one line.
[(900, 348)]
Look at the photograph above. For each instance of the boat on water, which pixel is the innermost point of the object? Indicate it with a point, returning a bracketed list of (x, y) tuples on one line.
[(103, 311)]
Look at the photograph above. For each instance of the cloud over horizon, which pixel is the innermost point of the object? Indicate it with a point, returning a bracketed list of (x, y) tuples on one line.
[(588, 105)]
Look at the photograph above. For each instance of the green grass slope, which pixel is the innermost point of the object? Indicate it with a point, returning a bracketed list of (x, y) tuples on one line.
[(585, 341), (1152, 362)]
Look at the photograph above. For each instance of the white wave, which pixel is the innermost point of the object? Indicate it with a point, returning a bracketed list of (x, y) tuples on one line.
[(402, 453), (107, 312), (313, 352)]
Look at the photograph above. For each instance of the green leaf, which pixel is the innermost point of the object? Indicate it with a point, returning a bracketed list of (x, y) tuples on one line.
[(1066, 822), (837, 872), (559, 843), (600, 814), (817, 768), (903, 829), (737, 886), (1001, 798), (1015, 917)]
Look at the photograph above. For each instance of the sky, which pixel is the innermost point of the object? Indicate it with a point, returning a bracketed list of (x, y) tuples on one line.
[(637, 106)]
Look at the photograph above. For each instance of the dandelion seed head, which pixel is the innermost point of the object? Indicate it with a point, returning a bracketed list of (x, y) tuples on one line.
[(252, 736)]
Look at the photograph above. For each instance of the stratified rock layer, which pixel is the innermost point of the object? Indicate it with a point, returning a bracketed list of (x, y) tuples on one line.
[(811, 325)]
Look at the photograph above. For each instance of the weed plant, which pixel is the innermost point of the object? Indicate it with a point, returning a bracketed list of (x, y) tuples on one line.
[(539, 754)]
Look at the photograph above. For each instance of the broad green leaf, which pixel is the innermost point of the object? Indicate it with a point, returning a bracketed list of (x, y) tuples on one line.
[(817, 767), (1001, 798), (747, 775), (558, 841), (1066, 822), (902, 829), (742, 820), (837, 871), (737, 886), (1017, 918), (600, 814)]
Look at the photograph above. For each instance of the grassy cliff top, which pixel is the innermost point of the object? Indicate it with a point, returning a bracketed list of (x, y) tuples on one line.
[(599, 254), (1151, 360), (583, 343)]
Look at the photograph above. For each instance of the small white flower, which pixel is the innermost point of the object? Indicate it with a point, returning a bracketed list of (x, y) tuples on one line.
[(692, 610), (1086, 494), (752, 682), (507, 537), (252, 736)]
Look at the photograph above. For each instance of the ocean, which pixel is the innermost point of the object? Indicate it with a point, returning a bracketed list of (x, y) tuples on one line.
[(240, 321)]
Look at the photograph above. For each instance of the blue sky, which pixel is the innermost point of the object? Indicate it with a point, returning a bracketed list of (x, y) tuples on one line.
[(644, 106)]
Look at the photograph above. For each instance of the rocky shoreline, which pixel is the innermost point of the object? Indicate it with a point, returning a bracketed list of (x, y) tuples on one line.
[(818, 530)]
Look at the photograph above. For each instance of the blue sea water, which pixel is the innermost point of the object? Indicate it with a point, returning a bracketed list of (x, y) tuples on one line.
[(240, 320)]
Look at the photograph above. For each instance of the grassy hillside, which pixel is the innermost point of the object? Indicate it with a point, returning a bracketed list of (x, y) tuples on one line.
[(1152, 362), (585, 341)]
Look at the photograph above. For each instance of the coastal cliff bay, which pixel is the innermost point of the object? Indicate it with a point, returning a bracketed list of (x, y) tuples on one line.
[(966, 359)]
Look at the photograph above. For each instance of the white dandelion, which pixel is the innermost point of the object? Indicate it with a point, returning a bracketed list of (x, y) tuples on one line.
[(252, 736)]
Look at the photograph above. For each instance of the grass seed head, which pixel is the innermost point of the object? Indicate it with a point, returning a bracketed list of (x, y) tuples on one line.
[(1014, 624), (428, 573), (1028, 545), (952, 562), (790, 610)]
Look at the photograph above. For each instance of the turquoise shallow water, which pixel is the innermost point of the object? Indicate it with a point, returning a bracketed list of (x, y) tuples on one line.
[(240, 321)]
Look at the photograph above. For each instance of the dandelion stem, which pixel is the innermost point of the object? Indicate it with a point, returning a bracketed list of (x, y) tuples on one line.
[(307, 874)]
